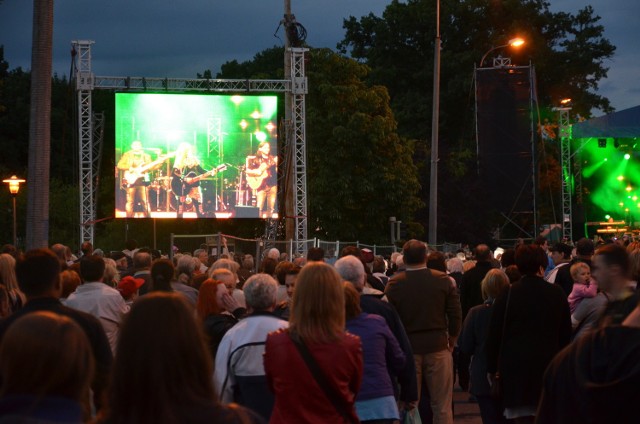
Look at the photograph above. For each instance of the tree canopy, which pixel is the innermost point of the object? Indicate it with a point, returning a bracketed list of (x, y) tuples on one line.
[(359, 171), (569, 53)]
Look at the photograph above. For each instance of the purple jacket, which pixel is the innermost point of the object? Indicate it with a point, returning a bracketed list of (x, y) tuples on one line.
[(380, 350)]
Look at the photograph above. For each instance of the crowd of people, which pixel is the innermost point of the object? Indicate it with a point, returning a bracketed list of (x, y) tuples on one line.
[(536, 333)]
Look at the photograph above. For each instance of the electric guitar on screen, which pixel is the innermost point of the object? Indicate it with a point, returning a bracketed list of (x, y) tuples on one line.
[(191, 178), (132, 175)]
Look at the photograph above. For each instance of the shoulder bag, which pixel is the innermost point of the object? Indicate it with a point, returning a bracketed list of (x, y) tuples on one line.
[(320, 378)]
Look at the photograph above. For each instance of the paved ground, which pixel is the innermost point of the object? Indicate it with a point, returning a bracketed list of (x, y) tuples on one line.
[(465, 412)]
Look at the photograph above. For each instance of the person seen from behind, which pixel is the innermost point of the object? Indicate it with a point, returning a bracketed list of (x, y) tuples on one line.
[(162, 372), (317, 323)]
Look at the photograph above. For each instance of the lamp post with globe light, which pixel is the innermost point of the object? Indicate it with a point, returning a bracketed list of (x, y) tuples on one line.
[(14, 187)]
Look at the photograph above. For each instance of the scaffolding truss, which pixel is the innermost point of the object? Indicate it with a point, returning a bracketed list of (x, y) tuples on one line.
[(86, 82), (564, 128), (84, 88), (298, 91)]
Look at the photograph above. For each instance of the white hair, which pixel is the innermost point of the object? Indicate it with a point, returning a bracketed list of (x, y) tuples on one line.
[(351, 269), (273, 253), (260, 291), (455, 265)]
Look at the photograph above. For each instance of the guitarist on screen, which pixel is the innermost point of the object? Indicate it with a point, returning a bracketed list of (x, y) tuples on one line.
[(185, 184), (262, 177), (136, 164)]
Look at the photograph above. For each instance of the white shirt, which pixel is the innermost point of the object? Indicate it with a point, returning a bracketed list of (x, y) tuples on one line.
[(104, 303)]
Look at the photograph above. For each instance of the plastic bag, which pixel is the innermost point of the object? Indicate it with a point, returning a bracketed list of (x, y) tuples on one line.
[(411, 417)]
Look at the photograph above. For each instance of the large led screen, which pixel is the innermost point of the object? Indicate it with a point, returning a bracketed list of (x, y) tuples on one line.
[(196, 156)]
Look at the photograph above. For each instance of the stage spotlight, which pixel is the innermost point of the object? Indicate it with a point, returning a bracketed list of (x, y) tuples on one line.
[(602, 143), (627, 156)]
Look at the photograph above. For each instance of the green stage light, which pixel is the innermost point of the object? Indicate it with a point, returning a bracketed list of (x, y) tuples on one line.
[(607, 217), (627, 156)]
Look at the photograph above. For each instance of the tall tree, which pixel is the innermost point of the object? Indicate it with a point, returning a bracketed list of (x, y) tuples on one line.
[(40, 125), (568, 51), (360, 172)]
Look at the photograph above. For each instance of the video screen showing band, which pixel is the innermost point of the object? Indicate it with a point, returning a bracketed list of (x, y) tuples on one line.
[(196, 156)]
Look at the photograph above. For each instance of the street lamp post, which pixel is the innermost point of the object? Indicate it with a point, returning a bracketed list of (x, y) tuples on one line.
[(514, 42), (14, 187), (435, 117)]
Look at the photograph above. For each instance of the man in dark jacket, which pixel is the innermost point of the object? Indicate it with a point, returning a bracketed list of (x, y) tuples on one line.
[(470, 291), (38, 274)]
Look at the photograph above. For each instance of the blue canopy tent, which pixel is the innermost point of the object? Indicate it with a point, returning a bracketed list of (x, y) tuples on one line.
[(622, 124)]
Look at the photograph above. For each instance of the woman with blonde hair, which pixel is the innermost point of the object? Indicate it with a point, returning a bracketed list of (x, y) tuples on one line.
[(315, 367), (472, 342), (111, 274), (9, 283)]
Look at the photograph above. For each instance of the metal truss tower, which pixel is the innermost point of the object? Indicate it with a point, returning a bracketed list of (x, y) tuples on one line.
[(86, 82), (84, 87), (298, 91), (564, 132)]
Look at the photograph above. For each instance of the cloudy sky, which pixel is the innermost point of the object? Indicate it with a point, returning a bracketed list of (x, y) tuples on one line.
[(169, 38)]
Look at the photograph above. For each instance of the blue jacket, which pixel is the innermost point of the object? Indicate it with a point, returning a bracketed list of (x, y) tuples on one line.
[(406, 377), (380, 351)]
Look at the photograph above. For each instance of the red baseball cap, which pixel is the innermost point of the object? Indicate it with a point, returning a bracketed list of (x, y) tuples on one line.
[(129, 285)]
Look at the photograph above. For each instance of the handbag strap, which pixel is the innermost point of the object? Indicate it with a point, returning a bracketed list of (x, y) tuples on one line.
[(320, 377)]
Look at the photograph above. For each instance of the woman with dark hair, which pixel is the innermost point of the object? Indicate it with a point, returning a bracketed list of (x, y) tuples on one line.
[(162, 371), (529, 325), (162, 272), (268, 266), (46, 363), (317, 327), (214, 313), (381, 351)]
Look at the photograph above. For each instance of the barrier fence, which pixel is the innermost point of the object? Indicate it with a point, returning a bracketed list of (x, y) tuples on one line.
[(215, 245)]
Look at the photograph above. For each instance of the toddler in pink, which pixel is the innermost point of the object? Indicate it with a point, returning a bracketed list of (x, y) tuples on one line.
[(583, 286)]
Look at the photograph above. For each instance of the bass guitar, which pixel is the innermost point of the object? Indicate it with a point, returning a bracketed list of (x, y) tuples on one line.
[(134, 174)]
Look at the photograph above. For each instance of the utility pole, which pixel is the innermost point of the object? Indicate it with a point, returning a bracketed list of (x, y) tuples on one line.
[(435, 118), (289, 196)]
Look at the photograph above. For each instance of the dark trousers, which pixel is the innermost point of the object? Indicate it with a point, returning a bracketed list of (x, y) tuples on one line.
[(490, 410)]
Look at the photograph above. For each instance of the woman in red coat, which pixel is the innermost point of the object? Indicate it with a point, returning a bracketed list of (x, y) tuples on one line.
[(318, 320)]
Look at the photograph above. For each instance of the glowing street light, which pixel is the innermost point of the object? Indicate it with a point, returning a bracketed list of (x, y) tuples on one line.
[(514, 42), (14, 187)]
